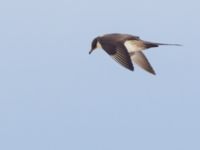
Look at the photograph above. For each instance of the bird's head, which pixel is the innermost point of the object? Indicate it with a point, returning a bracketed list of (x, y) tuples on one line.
[(95, 44)]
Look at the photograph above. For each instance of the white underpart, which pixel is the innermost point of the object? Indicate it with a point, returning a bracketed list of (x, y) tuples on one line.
[(134, 46), (98, 45)]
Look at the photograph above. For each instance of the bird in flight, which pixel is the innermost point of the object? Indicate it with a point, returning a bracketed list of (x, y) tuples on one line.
[(126, 49)]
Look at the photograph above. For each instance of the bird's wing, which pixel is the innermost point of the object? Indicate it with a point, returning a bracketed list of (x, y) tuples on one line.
[(122, 57), (134, 45), (140, 59)]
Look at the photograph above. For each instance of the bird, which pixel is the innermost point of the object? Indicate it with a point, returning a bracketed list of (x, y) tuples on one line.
[(126, 49)]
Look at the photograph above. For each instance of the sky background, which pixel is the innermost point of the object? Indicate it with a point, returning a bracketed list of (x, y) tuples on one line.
[(54, 96)]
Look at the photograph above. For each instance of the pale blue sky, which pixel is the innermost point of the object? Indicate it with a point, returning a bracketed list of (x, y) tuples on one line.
[(54, 96)]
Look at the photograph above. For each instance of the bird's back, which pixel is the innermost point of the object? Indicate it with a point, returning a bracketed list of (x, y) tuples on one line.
[(117, 37)]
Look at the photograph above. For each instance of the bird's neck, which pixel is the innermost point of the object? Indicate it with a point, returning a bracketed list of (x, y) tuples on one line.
[(99, 45)]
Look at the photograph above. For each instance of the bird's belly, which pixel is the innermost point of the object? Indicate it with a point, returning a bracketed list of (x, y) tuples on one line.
[(134, 46)]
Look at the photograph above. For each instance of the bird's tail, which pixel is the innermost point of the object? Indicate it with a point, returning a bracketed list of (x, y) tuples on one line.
[(152, 44), (168, 44)]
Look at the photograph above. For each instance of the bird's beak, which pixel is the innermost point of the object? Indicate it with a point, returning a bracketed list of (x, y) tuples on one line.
[(90, 51)]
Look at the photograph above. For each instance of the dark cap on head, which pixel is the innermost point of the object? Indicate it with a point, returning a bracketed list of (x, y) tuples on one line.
[(93, 45)]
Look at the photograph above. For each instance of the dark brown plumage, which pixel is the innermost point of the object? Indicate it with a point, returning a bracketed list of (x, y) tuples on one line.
[(126, 49)]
